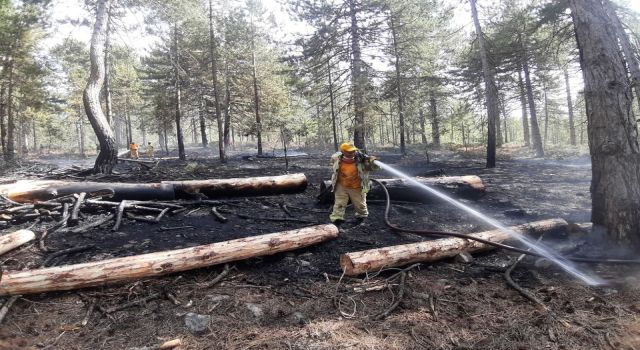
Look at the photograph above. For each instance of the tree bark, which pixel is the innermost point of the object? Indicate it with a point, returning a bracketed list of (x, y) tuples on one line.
[(470, 186), (15, 239), (203, 125), (535, 129), (227, 106), (523, 105), (403, 150), (108, 155), (572, 128), (178, 96), (612, 129), (107, 70), (216, 86), (27, 191), (10, 150), (333, 111), (423, 132), (137, 267), (3, 113), (546, 113), (630, 56), (256, 95), (357, 79), (491, 91), (383, 258), (435, 123)]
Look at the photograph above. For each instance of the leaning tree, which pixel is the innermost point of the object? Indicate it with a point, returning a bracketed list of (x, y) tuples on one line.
[(108, 155), (613, 134)]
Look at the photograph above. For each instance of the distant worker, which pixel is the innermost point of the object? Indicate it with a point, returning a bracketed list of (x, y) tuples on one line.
[(350, 180), (133, 148), (149, 150)]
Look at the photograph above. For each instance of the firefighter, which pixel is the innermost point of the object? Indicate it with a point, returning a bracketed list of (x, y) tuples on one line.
[(133, 148), (149, 150), (350, 181)]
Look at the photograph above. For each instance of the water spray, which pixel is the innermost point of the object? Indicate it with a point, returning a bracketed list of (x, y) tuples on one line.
[(538, 248)]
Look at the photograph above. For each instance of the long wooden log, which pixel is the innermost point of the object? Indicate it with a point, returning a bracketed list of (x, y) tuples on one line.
[(41, 190), (469, 186), (135, 267), (376, 259), (252, 186), (15, 239)]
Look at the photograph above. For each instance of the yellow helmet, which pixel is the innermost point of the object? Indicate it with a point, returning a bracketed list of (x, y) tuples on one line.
[(348, 147)]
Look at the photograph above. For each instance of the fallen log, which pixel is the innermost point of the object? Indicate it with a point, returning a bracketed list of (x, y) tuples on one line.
[(15, 239), (252, 186), (469, 186), (136, 267), (376, 259), (26, 191)]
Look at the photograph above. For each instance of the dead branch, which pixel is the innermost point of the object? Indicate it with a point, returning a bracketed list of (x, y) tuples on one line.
[(218, 216), (119, 212), (7, 305), (133, 303), (398, 299), (76, 208), (218, 278), (58, 253)]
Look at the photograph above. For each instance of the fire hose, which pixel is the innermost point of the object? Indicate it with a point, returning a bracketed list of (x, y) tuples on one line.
[(423, 232)]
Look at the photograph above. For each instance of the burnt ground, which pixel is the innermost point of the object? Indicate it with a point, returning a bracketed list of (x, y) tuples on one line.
[(294, 300)]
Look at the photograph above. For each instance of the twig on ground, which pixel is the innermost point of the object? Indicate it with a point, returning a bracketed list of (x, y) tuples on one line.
[(242, 216), (218, 278), (92, 305), (7, 305), (165, 228), (90, 225), (218, 216), (54, 255), (514, 285), (76, 208), (133, 303), (162, 213), (285, 209), (398, 299), (119, 212)]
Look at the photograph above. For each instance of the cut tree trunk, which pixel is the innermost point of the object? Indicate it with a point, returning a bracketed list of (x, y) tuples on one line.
[(380, 258), (98, 273), (42, 190), (470, 186), (15, 239)]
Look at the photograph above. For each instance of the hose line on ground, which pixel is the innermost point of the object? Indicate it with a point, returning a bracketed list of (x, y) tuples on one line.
[(393, 227)]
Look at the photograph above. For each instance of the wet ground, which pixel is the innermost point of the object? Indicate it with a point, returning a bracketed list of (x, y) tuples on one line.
[(295, 300)]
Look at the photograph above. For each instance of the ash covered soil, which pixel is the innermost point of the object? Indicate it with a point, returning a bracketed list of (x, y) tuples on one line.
[(296, 300)]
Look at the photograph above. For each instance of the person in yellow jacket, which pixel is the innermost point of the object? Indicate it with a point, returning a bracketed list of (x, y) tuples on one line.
[(133, 151), (350, 181), (149, 150)]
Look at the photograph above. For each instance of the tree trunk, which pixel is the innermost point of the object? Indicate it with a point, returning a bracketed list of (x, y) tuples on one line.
[(216, 86), (423, 132), (118, 270), (535, 129), (491, 91), (357, 79), (15, 239), (572, 128), (10, 151), (403, 150), (546, 113), (470, 186), (108, 155), (256, 95), (428, 251), (3, 113), (523, 104), (333, 111), (107, 70), (630, 56), (178, 92), (613, 134), (435, 123), (227, 106), (504, 119), (203, 124), (82, 139), (127, 116)]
